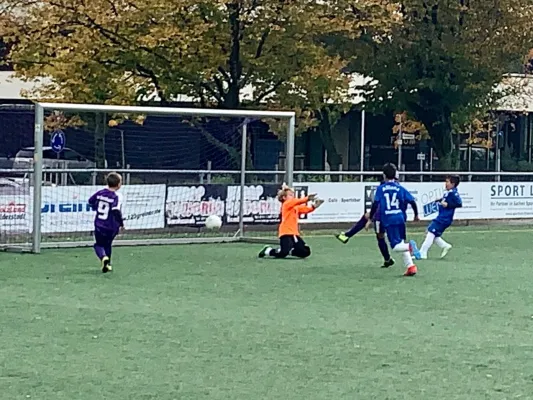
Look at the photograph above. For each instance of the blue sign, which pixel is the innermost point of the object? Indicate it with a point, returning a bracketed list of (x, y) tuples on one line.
[(66, 208), (58, 141), (431, 208)]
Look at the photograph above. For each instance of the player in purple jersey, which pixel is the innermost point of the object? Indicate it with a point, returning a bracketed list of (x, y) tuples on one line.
[(108, 220)]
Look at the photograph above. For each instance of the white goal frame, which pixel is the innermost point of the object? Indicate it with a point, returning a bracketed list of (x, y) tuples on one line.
[(37, 170)]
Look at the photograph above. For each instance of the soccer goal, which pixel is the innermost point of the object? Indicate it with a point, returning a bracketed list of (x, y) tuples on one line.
[(178, 165)]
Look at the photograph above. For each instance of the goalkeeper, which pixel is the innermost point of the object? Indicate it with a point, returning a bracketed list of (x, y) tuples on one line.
[(290, 241)]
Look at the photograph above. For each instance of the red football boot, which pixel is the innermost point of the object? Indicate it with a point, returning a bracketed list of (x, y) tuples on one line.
[(410, 271)]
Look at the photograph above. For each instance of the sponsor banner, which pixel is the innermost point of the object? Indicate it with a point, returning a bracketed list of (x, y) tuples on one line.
[(143, 206), (472, 202), (191, 205), (261, 205), (15, 214), (65, 208), (507, 199), (426, 193), (343, 201)]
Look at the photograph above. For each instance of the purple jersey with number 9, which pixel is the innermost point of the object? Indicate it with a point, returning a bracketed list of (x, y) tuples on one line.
[(104, 202)]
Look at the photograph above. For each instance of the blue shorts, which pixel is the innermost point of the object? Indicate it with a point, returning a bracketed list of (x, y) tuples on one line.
[(396, 234), (437, 228)]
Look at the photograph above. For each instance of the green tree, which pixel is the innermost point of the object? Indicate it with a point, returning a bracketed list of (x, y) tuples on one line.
[(113, 51), (443, 62)]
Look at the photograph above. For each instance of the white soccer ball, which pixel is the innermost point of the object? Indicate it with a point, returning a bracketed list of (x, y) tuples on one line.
[(213, 222)]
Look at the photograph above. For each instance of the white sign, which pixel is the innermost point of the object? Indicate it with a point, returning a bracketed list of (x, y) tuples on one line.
[(143, 206), (420, 156), (507, 199), (347, 201), (65, 208), (344, 201), (425, 194), (15, 214)]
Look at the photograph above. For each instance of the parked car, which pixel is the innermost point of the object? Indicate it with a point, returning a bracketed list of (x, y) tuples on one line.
[(10, 187), (68, 158)]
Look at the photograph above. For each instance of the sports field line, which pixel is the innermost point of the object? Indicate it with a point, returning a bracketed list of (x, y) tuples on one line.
[(452, 232)]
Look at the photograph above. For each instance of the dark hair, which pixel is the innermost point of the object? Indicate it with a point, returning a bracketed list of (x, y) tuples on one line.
[(389, 170), (113, 180), (454, 179)]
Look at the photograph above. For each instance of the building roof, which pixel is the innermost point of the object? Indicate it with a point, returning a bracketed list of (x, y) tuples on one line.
[(520, 87), (12, 88)]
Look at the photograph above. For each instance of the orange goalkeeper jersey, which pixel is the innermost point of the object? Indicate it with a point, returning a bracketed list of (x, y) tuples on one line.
[(290, 214)]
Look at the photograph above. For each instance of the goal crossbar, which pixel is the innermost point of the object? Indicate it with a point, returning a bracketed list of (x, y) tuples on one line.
[(200, 112)]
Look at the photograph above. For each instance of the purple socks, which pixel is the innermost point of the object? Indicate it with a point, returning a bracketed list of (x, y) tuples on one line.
[(100, 251), (358, 227)]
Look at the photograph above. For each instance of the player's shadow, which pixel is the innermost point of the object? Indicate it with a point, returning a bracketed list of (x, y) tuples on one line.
[(274, 260), (89, 272), (92, 272)]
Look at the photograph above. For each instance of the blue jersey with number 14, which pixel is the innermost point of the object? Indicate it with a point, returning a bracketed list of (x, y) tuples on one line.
[(104, 202), (392, 199)]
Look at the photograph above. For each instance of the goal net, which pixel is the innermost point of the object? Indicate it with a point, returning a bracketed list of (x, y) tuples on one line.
[(178, 167), (15, 199)]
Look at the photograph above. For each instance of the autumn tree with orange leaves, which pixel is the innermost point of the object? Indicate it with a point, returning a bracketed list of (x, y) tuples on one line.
[(115, 51)]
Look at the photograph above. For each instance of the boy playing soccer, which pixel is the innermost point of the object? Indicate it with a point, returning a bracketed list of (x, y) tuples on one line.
[(391, 199), (108, 221), (290, 242), (450, 201), (344, 237)]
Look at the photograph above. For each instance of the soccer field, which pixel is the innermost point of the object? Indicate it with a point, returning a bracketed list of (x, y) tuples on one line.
[(214, 322)]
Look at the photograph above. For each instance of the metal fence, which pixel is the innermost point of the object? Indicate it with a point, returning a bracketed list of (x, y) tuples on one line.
[(164, 207), (44, 205)]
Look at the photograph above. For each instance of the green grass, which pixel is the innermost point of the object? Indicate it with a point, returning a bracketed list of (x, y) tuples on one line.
[(213, 322)]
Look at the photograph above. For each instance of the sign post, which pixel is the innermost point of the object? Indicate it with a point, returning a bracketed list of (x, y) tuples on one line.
[(421, 157)]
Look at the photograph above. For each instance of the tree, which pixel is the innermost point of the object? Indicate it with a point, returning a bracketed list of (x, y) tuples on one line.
[(4, 48), (403, 123), (110, 51), (528, 64), (114, 51), (443, 62)]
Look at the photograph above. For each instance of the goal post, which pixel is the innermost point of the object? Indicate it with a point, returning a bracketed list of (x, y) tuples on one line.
[(170, 186)]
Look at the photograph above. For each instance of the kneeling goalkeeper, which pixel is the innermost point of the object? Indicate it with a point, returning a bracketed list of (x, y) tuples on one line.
[(290, 242)]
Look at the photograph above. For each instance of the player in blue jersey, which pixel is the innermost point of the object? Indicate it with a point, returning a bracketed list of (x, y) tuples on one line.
[(344, 237), (391, 201), (108, 220), (450, 201)]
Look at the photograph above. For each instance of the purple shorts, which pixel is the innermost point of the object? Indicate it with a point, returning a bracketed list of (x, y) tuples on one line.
[(104, 237)]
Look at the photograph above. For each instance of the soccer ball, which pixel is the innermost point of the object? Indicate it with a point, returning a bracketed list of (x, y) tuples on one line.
[(213, 222)]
